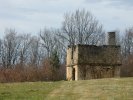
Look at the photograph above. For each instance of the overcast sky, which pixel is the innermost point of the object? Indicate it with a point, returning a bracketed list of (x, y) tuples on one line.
[(29, 16)]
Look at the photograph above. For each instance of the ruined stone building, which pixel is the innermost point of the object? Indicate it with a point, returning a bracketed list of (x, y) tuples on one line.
[(92, 62)]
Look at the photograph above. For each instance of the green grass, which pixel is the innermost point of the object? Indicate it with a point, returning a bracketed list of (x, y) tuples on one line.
[(101, 89)]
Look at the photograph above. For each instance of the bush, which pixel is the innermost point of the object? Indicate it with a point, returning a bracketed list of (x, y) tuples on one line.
[(44, 72), (127, 67)]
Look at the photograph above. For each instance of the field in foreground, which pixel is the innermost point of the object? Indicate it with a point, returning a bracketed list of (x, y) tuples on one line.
[(101, 89)]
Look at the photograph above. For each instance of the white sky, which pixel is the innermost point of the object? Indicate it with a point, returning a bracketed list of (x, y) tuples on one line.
[(29, 16)]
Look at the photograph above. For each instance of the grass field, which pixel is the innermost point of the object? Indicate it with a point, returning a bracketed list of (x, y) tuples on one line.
[(101, 89)]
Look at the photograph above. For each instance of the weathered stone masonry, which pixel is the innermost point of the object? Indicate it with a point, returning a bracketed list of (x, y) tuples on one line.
[(91, 61)]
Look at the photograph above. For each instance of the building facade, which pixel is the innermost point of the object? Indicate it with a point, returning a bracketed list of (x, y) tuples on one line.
[(91, 62)]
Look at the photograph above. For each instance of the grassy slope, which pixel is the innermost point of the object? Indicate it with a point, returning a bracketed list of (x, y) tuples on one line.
[(102, 89)]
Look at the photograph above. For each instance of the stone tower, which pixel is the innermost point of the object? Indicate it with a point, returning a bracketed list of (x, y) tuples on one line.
[(92, 62)]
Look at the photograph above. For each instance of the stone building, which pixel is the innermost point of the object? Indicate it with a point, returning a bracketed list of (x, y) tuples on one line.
[(92, 62)]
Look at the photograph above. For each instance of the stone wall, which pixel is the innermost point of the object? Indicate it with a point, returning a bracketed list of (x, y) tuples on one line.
[(69, 60), (104, 55), (94, 72)]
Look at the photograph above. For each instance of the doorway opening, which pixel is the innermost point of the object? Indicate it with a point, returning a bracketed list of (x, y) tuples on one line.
[(73, 74)]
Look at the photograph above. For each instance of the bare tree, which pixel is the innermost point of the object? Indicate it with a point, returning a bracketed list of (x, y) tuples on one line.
[(81, 27), (10, 48), (127, 53), (60, 45), (24, 50), (48, 40), (35, 56), (0, 53), (127, 42)]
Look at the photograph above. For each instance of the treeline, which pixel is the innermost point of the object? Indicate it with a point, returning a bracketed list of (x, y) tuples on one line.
[(31, 58), (127, 53), (24, 57)]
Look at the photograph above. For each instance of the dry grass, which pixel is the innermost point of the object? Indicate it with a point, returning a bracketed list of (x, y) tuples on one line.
[(101, 89)]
